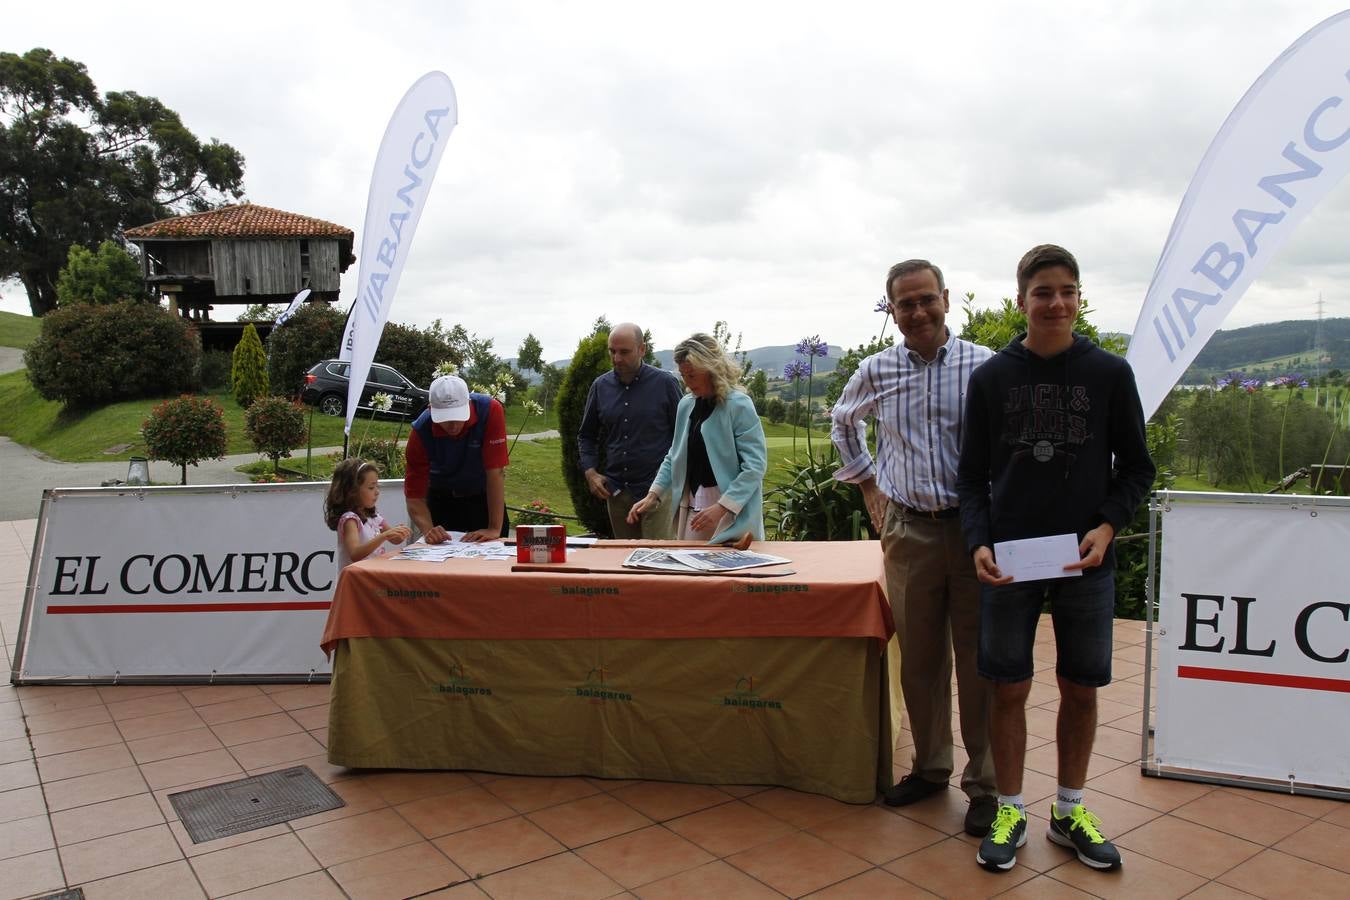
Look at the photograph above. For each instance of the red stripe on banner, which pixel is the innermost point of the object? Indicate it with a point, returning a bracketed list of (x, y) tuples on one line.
[(1306, 682), (185, 607)]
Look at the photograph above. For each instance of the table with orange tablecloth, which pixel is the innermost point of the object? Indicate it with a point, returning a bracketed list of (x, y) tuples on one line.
[(465, 664)]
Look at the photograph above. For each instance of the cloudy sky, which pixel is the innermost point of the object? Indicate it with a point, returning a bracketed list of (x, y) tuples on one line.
[(759, 163)]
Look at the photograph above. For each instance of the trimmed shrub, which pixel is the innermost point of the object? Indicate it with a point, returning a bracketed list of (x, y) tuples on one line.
[(536, 512), (387, 455), (276, 426), (106, 275), (310, 336), (590, 361), (89, 355), (248, 374), (185, 431), (413, 352)]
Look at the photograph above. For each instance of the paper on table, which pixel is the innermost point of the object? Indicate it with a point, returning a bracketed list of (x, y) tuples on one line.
[(1033, 559)]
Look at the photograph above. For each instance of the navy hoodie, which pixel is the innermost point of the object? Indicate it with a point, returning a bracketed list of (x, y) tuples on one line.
[(1038, 444)]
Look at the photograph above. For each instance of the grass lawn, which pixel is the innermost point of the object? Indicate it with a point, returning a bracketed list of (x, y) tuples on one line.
[(17, 330), (89, 436)]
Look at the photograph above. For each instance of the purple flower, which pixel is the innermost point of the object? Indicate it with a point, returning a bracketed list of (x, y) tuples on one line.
[(795, 370), (1251, 385), (1303, 383), (812, 346), (883, 305)]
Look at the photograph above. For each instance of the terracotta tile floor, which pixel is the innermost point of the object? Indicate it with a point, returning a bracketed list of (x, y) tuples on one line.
[(85, 773)]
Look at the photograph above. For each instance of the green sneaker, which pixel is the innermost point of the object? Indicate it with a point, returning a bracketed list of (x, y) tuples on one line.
[(998, 850), (1080, 831)]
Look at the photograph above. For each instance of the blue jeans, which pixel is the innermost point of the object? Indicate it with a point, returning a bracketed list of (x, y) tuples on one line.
[(1082, 610)]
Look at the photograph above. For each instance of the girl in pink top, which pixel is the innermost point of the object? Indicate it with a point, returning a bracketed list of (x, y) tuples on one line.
[(350, 511)]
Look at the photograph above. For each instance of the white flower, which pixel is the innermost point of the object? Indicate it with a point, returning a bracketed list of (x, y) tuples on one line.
[(533, 408), (446, 367), (381, 402)]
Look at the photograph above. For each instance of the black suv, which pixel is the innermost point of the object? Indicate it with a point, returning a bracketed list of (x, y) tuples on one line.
[(326, 387)]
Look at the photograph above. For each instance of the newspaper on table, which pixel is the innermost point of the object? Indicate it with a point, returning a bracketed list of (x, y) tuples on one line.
[(709, 560), (456, 548)]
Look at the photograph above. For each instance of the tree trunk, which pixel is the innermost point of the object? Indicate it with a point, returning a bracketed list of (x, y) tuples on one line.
[(41, 294), (184, 481)]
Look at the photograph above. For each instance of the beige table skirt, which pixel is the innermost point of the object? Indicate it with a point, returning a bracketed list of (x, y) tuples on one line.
[(806, 713)]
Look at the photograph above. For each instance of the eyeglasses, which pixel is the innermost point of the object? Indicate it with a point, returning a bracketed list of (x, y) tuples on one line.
[(908, 307)]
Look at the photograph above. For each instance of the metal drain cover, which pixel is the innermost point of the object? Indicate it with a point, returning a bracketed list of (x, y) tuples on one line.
[(234, 807)]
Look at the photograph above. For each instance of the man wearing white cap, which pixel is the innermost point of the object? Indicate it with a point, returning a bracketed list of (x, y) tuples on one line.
[(456, 456)]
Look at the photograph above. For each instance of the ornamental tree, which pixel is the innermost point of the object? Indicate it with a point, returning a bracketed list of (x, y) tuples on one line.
[(276, 426), (185, 431), (248, 374), (107, 275), (78, 167), (590, 361)]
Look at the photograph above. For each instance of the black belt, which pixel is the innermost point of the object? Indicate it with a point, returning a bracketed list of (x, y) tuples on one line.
[(950, 512)]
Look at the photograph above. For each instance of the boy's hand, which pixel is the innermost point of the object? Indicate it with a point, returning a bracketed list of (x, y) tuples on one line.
[(480, 535), (435, 535), (1093, 547), (986, 569)]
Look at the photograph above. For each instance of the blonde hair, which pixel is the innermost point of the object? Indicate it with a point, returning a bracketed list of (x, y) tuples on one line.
[(703, 352)]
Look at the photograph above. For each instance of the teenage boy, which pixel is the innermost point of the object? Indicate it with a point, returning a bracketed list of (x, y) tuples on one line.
[(914, 394), (1054, 444)]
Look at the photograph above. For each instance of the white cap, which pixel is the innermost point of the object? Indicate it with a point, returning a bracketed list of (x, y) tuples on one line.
[(449, 400)]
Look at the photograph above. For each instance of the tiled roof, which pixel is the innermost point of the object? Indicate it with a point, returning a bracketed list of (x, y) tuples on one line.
[(245, 220)]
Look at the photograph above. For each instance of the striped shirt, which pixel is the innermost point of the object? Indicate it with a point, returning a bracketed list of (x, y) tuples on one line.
[(918, 407)]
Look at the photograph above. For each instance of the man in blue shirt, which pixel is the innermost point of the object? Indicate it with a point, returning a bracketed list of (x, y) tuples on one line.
[(629, 420)]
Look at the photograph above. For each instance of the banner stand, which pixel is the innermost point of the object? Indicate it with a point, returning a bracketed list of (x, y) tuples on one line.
[(207, 584), (1152, 764)]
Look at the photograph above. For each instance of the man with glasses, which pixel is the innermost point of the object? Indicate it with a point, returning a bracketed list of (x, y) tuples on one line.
[(915, 393)]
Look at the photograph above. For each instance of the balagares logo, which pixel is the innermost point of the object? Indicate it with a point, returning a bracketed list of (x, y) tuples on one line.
[(597, 688), (588, 590), (746, 697), (398, 594), (770, 588), (458, 684)]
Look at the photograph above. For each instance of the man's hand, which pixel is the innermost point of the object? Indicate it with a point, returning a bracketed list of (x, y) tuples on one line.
[(435, 535), (876, 502), (482, 534), (1093, 547), (641, 508), (597, 483), (986, 569)]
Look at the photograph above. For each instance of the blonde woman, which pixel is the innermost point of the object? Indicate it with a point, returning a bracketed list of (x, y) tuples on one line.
[(715, 467)]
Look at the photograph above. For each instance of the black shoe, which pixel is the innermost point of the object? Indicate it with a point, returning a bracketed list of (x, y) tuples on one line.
[(912, 789), (980, 815), (998, 850)]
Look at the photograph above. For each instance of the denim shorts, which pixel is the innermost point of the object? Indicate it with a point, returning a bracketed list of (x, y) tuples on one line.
[(1082, 610)]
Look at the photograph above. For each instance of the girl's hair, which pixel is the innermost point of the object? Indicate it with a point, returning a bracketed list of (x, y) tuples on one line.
[(342, 492), (702, 351)]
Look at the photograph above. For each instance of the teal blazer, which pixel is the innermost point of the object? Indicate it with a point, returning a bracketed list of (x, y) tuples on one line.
[(734, 437)]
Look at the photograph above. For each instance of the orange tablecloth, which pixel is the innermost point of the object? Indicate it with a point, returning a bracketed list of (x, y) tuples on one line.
[(836, 592)]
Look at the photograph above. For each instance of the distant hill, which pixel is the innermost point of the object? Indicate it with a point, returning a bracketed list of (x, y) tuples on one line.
[(1273, 348), (770, 359)]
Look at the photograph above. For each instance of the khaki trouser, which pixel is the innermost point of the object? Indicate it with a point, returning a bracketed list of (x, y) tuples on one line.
[(655, 526), (935, 599)]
